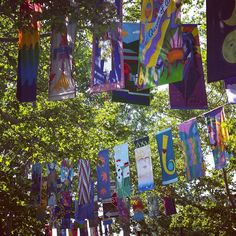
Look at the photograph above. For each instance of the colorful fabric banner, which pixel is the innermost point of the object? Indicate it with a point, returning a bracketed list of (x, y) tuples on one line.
[(121, 156), (194, 165), (169, 204), (36, 187), (167, 159), (103, 175), (218, 136), (84, 181), (144, 164), (230, 87), (160, 49), (52, 184), (130, 94), (107, 61), (153, 209), (221, 34), (191, 92), (28, 55), (137, 209), (124, 210), (61, 82)]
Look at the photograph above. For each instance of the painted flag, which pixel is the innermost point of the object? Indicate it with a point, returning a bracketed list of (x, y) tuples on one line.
[(121, 156), (167, 158), (52, 184), (221, 44), (190, 93), (28, 55), (160, 49), (36, 187), (107, 60), (84, 181), (103, 175), (61, 82), (194, 165), (124, 210), (169, 205), (218, 135), (230, 87), (153, 208), (137, 205), (144, 164), (130, 94)]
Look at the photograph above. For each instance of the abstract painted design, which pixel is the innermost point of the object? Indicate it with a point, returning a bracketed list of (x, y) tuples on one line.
[(153, 208), (144, 164), (194, 165), (160, 49), (28, 55), (190, 93), (218, 135), (130, 94), (121, 156), (221, 39), (230, 87), (52, 184), (137, 205), (103, 175), (167, 158), (124, 210), (61, 82), (36, 187)]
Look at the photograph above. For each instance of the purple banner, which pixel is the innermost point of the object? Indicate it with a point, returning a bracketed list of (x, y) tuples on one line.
[(191, 92), (230, 87), (221, 44)]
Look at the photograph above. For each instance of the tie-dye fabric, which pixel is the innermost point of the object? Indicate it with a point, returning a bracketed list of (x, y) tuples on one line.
[(36, 187), (28, 55), (61, 82), (221, 43), (167, 158), (218, 135), (230, 87), (194, 165), (121, 156), (144, 164), (160, 48), (103, 175), (190, 93)]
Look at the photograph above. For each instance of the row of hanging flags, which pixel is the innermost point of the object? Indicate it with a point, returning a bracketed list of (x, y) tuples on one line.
[(114, 195), (131, 58)]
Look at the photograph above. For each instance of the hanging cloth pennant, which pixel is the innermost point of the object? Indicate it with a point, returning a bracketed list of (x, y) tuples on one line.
[(144, 164), (108, 70), (160, 48), (84, 181), (130, 94), (28, 55), (124, 210), (230, 87), (169, 204), (221, 33), (137, 209), (191, 92), (153, 208), (36, 187), (121, 156), (218, 136), (61, 82), (103, 175), (167, 159), (194, 165)]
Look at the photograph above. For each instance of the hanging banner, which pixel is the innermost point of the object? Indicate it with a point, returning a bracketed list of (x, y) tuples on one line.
[(103, 175), (36, 187), (107, 61), (121, 156), (124, 210), (194, 165), (167, 158), (169, 204), (130, 94), (61, 82), (153, 208), (144, 164), (84, 181), (137, 205), (160, 48), (230, 87), (94, 220), (191, 92), (52, 184), (221, 33), (28, 55), (218, 136)]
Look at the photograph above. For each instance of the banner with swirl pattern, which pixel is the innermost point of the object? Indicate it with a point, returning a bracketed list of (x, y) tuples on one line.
[(167, 158)]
